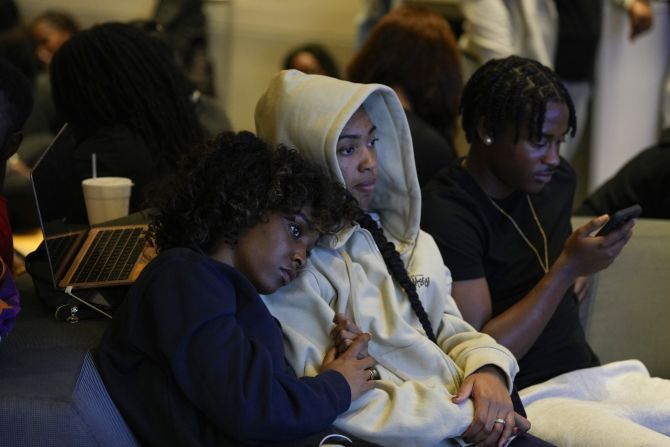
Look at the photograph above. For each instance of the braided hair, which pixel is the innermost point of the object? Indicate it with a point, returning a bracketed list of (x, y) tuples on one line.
[(115, 73), (513, 90), (398, 271)]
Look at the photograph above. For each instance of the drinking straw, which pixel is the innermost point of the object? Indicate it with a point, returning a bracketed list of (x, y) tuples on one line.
[(94, 165)]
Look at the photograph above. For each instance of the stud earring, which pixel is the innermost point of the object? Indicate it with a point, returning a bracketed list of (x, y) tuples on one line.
[(488, 141)]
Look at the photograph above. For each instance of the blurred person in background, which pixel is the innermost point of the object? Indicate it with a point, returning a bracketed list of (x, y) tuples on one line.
[(561, 34), (413, 51), (311, 58), (125, 101), (211, 114), (644, 179), (15, 105), (185, 27), (50, 31)]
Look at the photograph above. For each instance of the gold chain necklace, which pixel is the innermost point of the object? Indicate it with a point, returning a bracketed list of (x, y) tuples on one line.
[(545, 264)]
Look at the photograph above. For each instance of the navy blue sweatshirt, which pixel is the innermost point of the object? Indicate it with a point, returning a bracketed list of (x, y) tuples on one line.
[(194, 358)]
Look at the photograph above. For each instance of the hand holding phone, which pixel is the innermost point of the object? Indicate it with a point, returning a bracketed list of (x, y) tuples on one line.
[(619, 218)]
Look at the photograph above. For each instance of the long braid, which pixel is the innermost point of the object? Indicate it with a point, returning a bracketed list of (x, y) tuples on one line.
[(398, 271)]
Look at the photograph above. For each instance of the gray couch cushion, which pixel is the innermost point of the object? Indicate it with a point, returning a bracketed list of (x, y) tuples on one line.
[(50, 392), (631, 310)]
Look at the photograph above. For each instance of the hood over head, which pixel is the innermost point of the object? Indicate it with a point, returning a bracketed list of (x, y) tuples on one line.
[(308, 112)]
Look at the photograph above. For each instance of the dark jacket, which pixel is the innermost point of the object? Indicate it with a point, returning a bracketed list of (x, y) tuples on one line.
[(194, 358)]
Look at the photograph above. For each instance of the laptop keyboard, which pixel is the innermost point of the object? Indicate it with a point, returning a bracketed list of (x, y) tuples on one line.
[(111, 256)]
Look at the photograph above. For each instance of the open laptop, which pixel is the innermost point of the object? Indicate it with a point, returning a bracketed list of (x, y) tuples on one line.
[(81, 256)]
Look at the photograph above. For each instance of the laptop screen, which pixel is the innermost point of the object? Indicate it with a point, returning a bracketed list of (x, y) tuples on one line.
[(60, 202)]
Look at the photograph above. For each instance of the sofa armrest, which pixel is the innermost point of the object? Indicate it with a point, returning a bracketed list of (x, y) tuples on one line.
[(631, 308)]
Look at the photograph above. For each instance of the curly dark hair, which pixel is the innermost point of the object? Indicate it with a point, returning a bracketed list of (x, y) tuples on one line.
[(233, 183), (512, 91), (415, 48)]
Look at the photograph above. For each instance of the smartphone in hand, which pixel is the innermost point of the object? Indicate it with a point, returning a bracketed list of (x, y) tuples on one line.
[(619, 218)]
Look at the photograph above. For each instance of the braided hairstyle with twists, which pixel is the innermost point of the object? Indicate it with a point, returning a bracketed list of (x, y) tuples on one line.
[(398, 271), (512, 91), (115, 73)]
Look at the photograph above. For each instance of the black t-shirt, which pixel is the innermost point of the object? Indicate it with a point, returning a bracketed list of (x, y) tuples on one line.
[(432, 151), (476, 240)]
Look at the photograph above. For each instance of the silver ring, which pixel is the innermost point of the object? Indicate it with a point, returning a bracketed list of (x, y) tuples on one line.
[(374, 374), (499, 421)]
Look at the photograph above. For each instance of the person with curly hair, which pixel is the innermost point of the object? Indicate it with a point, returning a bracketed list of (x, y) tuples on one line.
[(193, 356), (413, 50), (439, 380)]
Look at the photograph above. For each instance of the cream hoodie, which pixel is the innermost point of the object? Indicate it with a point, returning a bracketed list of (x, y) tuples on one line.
[(411, 405)]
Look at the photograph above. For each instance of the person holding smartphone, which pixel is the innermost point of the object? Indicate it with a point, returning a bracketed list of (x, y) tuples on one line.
[(501, 219)]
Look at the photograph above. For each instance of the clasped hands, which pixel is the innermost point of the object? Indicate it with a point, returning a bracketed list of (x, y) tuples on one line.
[(494, 421)]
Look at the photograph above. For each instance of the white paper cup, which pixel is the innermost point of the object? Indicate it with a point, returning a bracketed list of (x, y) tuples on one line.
[(106, 198)]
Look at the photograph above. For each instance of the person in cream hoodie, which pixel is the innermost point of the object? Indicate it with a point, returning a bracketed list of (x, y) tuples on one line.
[(439, 380)]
